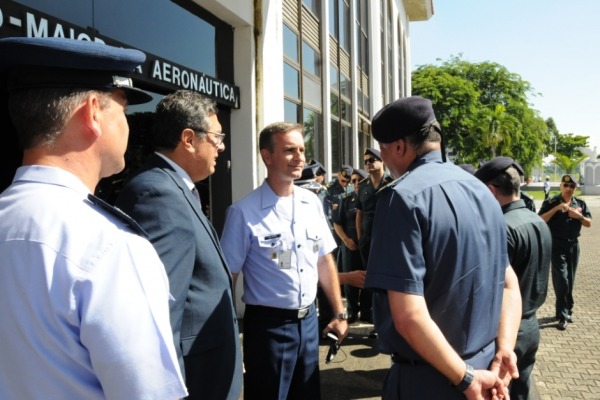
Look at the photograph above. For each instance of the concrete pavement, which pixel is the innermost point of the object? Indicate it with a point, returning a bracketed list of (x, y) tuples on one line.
[(568, 365)]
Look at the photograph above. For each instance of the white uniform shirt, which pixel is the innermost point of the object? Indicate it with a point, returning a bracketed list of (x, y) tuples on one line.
[(276, 242), (84, 311)]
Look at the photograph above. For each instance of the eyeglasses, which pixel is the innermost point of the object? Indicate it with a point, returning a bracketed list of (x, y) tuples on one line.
[(355, 180), (371, 160), (569, 185), (217, 138)]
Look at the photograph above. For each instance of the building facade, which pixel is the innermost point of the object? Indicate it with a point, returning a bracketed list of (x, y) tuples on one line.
[(328, 64)]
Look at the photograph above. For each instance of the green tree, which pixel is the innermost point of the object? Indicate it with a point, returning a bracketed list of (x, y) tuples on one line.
[(569, 145), (484, 111), (567, 163)]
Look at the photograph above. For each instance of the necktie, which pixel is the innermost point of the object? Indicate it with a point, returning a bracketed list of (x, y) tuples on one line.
[(196, 195)]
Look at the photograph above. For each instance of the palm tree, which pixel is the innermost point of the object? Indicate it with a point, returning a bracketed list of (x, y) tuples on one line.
[(566, 163)]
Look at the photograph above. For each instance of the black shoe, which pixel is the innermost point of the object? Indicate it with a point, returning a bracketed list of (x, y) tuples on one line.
[(373, 334), (562, 325)]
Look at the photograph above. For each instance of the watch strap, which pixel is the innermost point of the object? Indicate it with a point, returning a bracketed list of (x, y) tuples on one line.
[(466, 380)]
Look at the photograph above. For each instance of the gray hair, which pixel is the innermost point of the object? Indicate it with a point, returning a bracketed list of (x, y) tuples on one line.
[(181, 110)]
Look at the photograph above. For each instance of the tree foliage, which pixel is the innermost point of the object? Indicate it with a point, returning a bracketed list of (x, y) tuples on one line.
[(483, 110)]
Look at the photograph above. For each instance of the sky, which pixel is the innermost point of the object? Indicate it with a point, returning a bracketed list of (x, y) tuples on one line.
[(554, 45)]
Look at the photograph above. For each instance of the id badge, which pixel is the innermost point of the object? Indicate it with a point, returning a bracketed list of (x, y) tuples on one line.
[(285, 259)]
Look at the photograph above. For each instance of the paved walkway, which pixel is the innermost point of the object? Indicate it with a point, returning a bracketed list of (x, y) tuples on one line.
[(568, 365)]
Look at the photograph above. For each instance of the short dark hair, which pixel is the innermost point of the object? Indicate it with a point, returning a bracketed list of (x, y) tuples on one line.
[(265, 139), (40, 114), (178, 111), (508, 182)]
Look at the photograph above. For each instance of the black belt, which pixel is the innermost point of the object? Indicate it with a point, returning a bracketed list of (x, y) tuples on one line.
[(279, 312), (405, 361)]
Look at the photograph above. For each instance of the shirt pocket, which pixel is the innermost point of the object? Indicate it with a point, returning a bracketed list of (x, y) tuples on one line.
[(314, 239), (270, 245)]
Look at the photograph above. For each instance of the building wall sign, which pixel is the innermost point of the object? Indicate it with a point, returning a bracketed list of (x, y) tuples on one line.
[(19, 20)]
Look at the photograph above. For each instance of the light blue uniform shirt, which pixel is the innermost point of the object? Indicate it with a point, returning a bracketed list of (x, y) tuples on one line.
[(84, 309), (276, 251)]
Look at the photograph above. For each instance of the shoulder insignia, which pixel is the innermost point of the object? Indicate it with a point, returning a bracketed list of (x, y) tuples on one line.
[(391, 183), (116, 212)]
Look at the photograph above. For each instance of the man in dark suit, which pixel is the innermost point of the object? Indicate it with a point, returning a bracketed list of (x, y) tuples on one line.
[(162, 197)]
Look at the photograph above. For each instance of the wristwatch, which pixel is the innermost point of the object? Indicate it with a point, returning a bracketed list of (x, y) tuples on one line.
[(466, 380), (343, 316)]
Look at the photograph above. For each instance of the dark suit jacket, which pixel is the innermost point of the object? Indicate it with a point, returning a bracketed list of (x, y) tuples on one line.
[(203, 317)]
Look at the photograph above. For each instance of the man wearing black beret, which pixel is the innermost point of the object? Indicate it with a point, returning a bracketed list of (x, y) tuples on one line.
[(439, 237), (85, 308), (529, 252), (565, 214)]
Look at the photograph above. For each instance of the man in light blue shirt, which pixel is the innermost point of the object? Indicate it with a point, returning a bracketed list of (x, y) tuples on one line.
[(279, 238), (84, 305)]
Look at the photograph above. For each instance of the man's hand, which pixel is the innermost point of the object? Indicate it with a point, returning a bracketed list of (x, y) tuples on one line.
[(339, 327), (350, 244), (504, 365), (486, 385), (353, 278)]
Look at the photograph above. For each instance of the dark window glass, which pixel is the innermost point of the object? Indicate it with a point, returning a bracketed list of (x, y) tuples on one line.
[(290, 111), (76, 12), (156, 26), (291, 81), (290, 43), (335, 105), (346, 111), (312, 133), (183, 38), (336, 145), (311, 60)]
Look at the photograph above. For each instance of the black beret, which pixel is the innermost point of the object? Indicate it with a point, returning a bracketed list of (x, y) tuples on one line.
[(360, 172), (346, 171), (373, 152), (491, 169), (568, 179), (67, 63), (403, 117)]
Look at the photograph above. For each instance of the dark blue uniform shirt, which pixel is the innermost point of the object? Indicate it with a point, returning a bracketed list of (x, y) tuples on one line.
[(439, 233)]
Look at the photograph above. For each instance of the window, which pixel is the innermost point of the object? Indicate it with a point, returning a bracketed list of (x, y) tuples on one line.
[(311, 60), (291, 81), (303, 92), (290, 44), (314, 6)]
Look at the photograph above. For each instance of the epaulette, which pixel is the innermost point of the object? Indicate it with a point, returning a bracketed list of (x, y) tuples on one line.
[(346, 195), (555, 199), (330, 184), (116, 212), (391, 183)]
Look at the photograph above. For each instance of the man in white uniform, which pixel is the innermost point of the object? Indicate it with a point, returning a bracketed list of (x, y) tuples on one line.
[(84, 305)]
